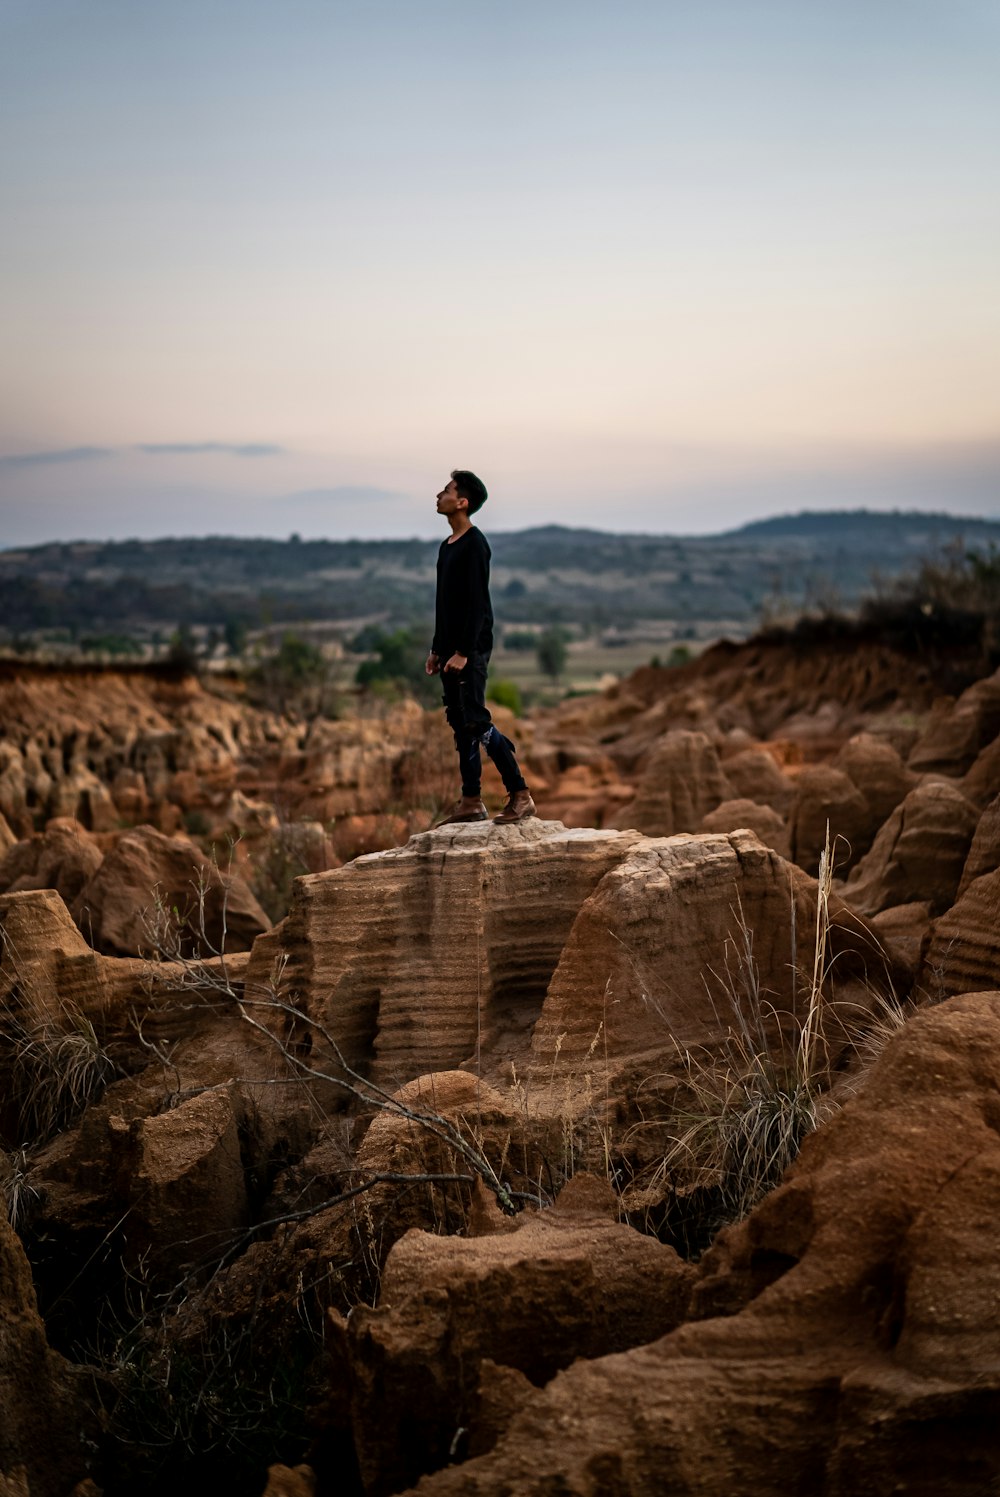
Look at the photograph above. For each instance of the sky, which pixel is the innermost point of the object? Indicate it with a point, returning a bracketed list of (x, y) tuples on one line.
[(668, 267)]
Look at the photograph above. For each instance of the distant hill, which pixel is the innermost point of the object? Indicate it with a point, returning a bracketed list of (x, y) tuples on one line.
[(554, 573), (918, 527)]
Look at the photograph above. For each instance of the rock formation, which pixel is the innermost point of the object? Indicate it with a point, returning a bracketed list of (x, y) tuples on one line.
[(45, 1424), (345, 1169), (421, 958), (984, 853), (682, 781), (964, 949), (840, 1336), (958, 731), (754, 775), (64, 857), (919, 854), (564, 1284), (687, 939), (762, 820), (146, 875)]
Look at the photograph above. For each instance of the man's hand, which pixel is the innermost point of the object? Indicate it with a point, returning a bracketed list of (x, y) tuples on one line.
[(456, 664), (432, 665)]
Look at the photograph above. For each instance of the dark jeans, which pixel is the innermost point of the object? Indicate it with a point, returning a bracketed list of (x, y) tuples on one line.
[(470, 721)]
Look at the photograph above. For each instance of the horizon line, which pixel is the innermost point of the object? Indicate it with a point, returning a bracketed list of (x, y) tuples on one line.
[(296, 538)]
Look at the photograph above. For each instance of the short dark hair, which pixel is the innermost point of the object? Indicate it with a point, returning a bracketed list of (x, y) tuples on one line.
[(469, 487)]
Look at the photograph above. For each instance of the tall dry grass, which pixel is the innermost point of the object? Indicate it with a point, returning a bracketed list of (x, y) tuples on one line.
[(743, 1110)]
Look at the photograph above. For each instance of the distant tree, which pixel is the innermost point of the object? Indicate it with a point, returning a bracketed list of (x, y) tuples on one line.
[(365, 642), (398, 659), (235, 635), (293, 679), (182, 652), (298, 660), (551, 652)]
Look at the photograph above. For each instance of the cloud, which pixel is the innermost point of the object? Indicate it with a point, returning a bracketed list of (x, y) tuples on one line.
[(151, 449), (55, 455), (194, 449), (345, 493)]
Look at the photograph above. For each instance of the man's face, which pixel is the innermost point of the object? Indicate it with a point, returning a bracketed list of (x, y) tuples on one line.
[(448, 501)]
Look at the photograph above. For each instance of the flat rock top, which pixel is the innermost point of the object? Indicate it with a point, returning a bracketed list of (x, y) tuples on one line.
[(474, 835)]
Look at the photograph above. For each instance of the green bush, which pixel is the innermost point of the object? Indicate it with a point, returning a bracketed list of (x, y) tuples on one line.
[(294, 678), (399, 658), (110, 644), (506, 694)]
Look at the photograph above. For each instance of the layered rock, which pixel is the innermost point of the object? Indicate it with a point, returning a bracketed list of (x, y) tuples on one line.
[(586, 794), (682, 782), (73, 1021), (64, 858), (184, 1175), (877, 770), (754, 775), (45, 1426), (906, 928), (828, 806), (688, 939), (129, 891), (919, 854), (47, 968), (139, 746), (817, 695), (762, 820), (984, 851), (7, 837), (418, 959), (570, 975), (563, 1284), (958, 731), (859, 1330), (72, 736), (982, 782), (964, 950), (146, 874)]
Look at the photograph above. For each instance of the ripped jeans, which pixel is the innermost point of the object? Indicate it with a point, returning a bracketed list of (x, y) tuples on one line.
[(474, 729)]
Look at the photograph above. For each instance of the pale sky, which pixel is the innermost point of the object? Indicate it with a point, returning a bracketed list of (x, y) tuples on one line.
[(268, 267)]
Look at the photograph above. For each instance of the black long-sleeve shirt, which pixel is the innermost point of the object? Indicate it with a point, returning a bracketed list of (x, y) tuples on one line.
[(463, 616)]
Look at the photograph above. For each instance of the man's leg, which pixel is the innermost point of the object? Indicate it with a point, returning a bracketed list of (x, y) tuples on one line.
[(499, 748), (470, 807)]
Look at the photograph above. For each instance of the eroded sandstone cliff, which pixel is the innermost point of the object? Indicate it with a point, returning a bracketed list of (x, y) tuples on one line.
[(418, 1181)]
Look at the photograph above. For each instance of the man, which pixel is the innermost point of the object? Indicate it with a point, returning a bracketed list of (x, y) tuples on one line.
[(463, 640)]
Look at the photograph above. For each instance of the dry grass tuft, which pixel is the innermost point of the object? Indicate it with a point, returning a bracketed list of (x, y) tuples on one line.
[(58, 1068), (742, 1113)]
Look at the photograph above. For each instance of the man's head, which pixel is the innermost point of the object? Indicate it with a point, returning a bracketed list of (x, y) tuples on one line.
[(465, 485)]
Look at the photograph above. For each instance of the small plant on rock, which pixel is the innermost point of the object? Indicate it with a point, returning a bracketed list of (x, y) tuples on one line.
[(16, 1187), (58, 1066)]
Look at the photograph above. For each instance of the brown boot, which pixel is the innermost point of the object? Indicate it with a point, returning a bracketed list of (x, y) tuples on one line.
[(467, 808), (518, 808)]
